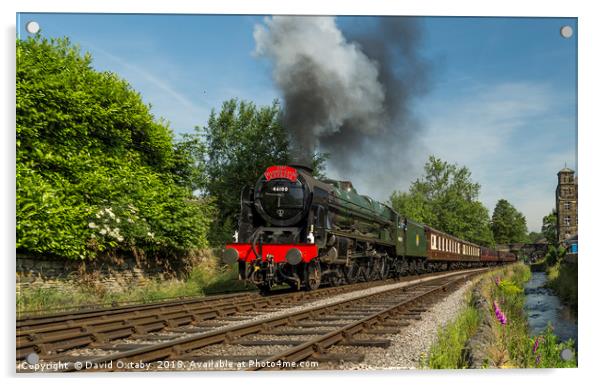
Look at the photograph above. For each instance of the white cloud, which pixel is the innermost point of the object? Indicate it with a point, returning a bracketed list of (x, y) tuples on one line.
[(511, 137)]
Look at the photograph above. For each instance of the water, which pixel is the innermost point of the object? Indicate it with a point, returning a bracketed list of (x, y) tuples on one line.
[(543, 307)]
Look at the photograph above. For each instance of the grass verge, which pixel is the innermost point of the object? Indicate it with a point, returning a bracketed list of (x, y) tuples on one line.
[(447, 352), (201, 281)]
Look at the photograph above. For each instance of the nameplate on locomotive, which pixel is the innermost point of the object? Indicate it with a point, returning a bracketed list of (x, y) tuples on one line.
[(287, 172)]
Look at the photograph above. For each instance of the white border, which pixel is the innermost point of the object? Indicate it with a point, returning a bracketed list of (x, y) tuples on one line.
[(589, 177)]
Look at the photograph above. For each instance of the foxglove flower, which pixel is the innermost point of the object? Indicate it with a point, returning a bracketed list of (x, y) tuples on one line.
[(501, 317), (536, 345)]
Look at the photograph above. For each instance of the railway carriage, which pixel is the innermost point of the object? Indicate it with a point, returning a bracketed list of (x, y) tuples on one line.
[(490, 256), (446, 251), (295, 229)]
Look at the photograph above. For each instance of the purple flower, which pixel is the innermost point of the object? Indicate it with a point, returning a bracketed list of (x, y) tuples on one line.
[(535, 345), (497, 281), (538, 359), (499, 314)]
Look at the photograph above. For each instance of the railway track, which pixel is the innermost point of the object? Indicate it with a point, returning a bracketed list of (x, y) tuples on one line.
[(50, 335), (257, 331)]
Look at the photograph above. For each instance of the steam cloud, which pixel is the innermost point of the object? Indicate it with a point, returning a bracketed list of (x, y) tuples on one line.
[(348, 97)]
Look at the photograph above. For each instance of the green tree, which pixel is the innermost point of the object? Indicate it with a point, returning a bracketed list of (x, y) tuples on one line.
[(241, 141), (446, 198), (534, 237), (549, 228), (508, 224), (96, 172)]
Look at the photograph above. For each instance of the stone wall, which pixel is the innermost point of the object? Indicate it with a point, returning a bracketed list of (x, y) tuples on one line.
[(476, 350), (109, 273)]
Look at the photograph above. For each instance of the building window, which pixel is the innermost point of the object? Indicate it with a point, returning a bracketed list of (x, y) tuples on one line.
[(567, 205), (567, 220)]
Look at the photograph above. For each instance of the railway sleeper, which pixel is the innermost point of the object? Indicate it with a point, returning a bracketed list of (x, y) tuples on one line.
[(382, 343), (271, 342)]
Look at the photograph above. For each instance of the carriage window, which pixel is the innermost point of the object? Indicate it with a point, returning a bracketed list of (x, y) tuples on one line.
[(433, 245)]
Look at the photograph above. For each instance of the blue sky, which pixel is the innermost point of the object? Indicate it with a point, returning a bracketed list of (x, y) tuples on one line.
[(502, 99)]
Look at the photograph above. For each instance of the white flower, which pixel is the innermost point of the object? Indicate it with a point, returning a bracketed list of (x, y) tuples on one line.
[(92, 225), (120, 238), (103, 231), (118, 220), (150, 234), (130, 220)]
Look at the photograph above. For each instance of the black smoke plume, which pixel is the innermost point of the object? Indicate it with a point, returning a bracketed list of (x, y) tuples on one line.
[(350, 96)]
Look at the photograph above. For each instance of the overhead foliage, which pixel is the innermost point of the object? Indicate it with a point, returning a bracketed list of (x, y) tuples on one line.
[(508, 224), (96, 172), (446, 198)]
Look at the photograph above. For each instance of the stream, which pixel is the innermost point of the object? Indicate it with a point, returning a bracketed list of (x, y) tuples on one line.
[(543, 307)]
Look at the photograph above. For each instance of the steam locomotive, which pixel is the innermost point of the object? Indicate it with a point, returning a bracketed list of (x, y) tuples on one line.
[(297, 230)]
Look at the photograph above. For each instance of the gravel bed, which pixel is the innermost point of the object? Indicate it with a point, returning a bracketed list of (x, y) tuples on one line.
[(413, 342)]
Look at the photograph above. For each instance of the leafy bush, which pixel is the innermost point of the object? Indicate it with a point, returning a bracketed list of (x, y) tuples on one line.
[(95, 171)]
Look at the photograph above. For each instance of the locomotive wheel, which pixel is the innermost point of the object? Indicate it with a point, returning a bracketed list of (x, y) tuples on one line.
[(380, 270), (351, 273), (313, 275)]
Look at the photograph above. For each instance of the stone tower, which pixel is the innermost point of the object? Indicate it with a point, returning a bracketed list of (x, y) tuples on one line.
[(566, 204)]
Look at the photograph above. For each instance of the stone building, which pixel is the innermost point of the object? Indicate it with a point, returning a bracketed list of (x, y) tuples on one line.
[(566, 204)]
